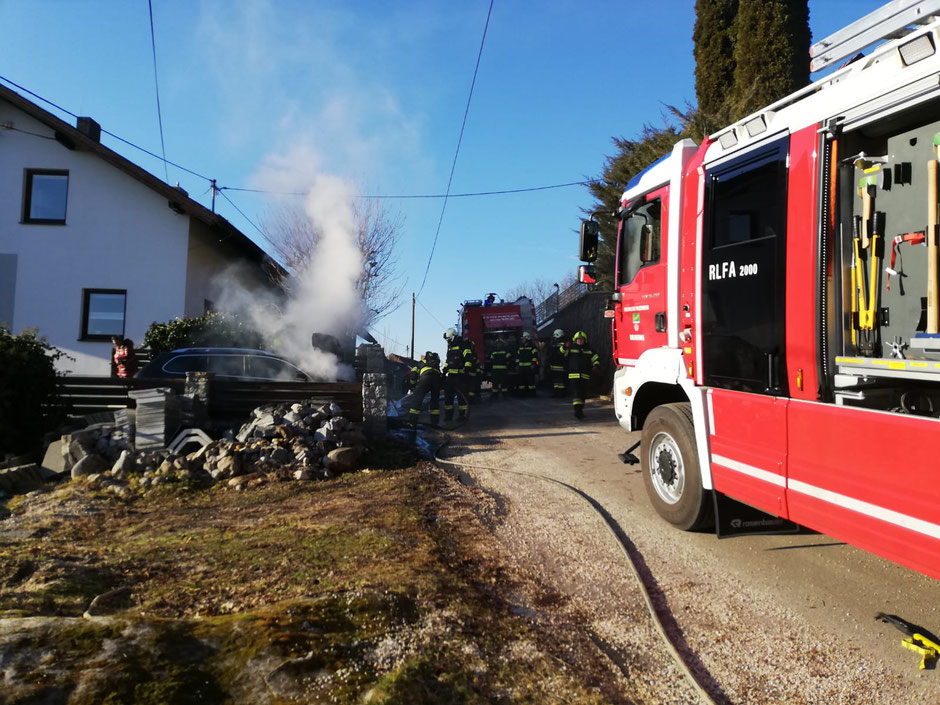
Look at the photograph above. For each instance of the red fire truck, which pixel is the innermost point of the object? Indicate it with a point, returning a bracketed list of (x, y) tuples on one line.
[(775, 313), (485, 320)]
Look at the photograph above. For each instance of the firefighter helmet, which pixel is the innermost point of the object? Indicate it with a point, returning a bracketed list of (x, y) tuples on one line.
[(558, 334), (450, 334), (432, 358), (579, 334), (527, 336)]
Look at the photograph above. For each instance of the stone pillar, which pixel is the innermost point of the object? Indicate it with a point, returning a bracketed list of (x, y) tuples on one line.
[(196, 391), (370, 365)]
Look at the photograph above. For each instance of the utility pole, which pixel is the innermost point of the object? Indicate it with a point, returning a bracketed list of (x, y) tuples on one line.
[(213, 195), (412, 325)]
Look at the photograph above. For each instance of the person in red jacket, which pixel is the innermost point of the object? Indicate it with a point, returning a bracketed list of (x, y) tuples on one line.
[(125, 358)]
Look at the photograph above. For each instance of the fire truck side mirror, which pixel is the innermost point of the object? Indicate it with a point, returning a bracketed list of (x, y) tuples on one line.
[(586, 274), (588, 246)]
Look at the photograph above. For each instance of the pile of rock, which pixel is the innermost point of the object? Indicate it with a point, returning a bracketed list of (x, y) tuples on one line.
[(288, 441)]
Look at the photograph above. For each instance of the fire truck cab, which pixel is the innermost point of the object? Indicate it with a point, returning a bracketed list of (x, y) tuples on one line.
[(775, 312)]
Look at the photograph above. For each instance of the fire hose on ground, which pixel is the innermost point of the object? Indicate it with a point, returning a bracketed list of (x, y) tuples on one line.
[(631, 560)]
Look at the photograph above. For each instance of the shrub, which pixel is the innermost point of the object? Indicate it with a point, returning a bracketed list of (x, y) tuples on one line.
[(212, 329), (30, 403)]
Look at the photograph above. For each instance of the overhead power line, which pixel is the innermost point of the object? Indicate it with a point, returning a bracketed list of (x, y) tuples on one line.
[(260, 231), (110, 134), (156, 85), (428, 311), (453, 166), (430, 195)]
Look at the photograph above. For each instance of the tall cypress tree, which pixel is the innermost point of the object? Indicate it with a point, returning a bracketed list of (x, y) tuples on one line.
[(771, 52), (713, 39)]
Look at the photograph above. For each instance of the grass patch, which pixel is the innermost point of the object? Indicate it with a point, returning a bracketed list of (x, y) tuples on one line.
[(373, 587)]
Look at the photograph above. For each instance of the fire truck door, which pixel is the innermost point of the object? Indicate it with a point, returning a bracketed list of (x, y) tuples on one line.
[(743, 320), (640, 319)]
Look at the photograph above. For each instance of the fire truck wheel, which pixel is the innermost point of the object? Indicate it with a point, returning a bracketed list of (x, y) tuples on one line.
[(670, 468)]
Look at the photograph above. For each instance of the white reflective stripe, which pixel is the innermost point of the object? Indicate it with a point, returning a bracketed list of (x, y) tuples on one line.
[(631, 309), (626, 361), (765, 475), (711, 413), (870, 510)]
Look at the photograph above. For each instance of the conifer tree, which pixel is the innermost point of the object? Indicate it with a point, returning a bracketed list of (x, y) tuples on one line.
[(713, 39), (771, 52)]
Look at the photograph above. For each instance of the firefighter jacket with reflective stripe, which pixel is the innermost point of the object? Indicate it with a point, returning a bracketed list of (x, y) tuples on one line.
[(499, 360), (458, 357), (581, 360), (472, 364), (558, 356), (527, 356)]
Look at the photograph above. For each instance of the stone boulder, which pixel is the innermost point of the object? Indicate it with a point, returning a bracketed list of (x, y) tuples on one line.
[(89, 465)]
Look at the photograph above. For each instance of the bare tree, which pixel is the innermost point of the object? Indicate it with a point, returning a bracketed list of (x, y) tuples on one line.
[(294, 240), (538, 290)]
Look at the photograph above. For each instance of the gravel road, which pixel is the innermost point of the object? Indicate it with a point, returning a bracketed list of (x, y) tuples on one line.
[(763, 619)]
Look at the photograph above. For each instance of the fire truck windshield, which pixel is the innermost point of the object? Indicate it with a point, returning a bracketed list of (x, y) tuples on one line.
[(640, 240)]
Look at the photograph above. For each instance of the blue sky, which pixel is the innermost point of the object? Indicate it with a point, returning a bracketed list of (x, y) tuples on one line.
[(377, 91)]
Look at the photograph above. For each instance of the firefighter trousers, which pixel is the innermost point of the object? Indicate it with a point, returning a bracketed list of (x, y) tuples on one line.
[(579, 389), (427, 384), (559, 377), (455, 388), (527, 379), (498, 378)]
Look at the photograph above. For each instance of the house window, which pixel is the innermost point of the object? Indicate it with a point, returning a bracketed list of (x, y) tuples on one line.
[(103, 313), (46, 193)]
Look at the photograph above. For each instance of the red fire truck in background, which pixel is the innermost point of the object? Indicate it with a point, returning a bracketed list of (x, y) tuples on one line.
[(775, 312), (485, 320)]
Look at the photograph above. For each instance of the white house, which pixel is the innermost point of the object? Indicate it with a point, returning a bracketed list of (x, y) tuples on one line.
[(91, 245)]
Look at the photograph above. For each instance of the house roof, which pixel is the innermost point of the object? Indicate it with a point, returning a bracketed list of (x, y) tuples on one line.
[(177, 199)]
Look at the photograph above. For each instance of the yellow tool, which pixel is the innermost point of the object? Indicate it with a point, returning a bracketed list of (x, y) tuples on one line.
[(928, 649)]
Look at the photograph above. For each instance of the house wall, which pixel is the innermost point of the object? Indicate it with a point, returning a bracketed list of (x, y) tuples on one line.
[(218, 275), (119, 234)]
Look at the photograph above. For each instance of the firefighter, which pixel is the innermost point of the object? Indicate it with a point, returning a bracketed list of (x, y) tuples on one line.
[(455, 375), (428, 382), (498, 367), (527, 362), (473, 373), (582, 362), (558, 362)]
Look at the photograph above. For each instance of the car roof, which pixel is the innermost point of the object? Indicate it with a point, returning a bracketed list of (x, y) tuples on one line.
[(225, 351)]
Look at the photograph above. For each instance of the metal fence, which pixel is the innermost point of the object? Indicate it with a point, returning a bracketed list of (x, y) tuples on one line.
[(557, 301), (227, 398)]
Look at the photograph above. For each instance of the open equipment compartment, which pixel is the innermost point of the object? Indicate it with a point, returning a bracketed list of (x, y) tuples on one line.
[(888, 359)]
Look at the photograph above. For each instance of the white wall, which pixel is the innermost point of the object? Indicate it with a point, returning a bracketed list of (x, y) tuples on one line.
[(119, 234), (217, 275)]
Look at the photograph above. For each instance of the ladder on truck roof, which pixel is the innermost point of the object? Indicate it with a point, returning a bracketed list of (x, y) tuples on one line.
[(887, 22)]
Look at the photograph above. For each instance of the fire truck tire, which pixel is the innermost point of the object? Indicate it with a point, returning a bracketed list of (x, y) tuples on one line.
[(671, 470)]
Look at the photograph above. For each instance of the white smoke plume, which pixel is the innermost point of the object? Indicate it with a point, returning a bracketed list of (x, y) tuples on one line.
[(324, 297)]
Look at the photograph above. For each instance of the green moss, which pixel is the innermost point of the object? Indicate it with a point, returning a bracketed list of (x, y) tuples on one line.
[(425, 680)]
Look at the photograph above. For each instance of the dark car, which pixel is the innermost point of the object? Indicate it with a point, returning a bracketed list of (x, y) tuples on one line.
[(226, 363)]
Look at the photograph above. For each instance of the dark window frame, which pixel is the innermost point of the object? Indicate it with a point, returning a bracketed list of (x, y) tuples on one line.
[(28, 196), (622, 254), (86, 300), (735, 354)]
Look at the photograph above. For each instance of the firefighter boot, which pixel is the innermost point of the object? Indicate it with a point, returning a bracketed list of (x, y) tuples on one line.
[(579, 412)]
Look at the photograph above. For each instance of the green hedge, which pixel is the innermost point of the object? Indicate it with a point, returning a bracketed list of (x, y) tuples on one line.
[(209, 330), (30, 403)]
